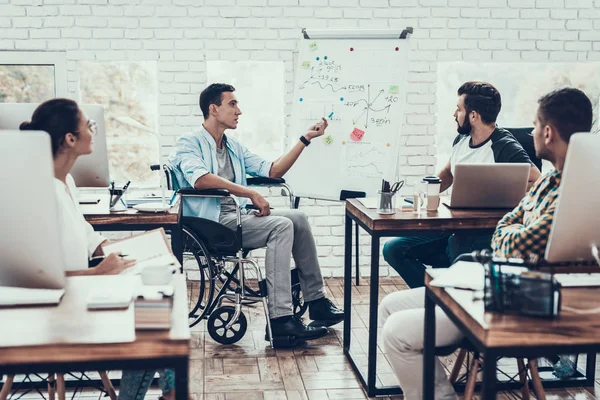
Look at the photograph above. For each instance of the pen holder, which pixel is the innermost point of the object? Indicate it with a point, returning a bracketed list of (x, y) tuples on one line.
[(117, 200), (387, 203)]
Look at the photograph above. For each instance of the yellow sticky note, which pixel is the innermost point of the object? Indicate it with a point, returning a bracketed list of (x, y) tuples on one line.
[(394, 89), (313, 46), (306, 64)]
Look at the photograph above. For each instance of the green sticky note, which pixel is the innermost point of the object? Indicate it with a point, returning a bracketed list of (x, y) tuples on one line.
[(313, 46), (306, 64), (394, 89)]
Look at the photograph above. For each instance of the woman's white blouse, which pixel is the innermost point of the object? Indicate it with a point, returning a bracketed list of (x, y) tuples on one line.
[(79, 241)]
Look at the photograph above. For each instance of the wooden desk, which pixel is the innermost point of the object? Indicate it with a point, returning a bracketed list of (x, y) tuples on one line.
[(71, 338), (132, 220), (400, 224), (504, 335)]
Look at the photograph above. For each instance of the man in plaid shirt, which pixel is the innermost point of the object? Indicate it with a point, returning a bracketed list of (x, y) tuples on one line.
[(523, 232)]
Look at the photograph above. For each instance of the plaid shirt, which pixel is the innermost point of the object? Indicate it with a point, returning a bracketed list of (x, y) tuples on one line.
[(523, 233)]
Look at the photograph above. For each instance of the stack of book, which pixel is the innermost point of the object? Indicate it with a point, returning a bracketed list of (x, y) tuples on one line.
[(153, 307)]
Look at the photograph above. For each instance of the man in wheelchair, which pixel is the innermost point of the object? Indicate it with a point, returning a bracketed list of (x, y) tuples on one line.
[(207, 159)]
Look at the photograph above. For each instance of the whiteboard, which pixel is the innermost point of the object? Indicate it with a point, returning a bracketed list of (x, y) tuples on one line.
[(362, 82)]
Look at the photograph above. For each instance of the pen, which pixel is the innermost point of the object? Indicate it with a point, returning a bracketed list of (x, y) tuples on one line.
[(123, 255), (330, 115), (126, 186)]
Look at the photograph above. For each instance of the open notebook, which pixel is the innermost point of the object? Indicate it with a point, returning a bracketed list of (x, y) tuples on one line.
[(148, 249)]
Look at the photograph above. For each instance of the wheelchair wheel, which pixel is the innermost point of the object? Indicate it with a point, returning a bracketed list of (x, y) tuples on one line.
[(221, 317), (198, 268)]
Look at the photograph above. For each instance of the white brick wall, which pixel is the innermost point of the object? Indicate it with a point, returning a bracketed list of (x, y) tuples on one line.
[(182, 34)]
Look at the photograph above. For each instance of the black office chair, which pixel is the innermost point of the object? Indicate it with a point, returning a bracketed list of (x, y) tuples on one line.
[(523, 136)]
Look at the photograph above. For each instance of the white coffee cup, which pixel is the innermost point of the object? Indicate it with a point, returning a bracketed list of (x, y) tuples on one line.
[(433, 192), (157, 274)]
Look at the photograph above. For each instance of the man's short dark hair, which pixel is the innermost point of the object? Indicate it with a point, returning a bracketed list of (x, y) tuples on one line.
[(568, 110), (483, 98), (213, 95)]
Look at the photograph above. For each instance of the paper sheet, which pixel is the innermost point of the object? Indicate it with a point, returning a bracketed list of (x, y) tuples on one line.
[(461, 275)]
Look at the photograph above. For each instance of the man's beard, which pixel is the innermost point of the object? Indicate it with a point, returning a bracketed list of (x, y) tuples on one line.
[(465, 128)]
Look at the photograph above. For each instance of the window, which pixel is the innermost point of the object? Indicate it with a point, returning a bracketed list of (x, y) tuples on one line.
[(32, 77), (127, 90), (259, 88)]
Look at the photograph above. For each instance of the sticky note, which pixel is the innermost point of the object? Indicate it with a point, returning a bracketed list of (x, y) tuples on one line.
[(357, 135), (394, 89), (328, 139), (313, 46), (306, 64)]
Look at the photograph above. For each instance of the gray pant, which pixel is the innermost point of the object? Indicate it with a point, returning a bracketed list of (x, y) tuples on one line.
[(285, 233)]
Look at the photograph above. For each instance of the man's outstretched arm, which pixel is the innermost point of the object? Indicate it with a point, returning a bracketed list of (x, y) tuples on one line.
[(285, 162)]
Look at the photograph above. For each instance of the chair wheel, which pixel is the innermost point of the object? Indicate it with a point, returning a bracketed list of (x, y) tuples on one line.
[(217, 321), (298, 304)]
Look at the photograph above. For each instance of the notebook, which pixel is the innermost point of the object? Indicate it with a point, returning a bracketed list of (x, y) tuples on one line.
[(148, 249), (15, 296)]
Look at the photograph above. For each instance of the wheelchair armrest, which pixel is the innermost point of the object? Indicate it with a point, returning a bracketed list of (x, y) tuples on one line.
[(265, 181), (204, 192)]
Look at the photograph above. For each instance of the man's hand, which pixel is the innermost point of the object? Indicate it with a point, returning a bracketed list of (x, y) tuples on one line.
[(262, 204), (316, 130), (113, 264)]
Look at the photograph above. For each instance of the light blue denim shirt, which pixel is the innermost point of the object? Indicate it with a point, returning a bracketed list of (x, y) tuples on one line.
[(195, 155)]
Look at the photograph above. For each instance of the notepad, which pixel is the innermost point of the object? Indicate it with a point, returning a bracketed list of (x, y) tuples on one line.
[(15, 296), (461, 275), (148, 249)]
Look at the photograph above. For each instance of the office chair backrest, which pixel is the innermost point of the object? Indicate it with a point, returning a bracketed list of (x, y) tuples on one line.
[(523, 136)]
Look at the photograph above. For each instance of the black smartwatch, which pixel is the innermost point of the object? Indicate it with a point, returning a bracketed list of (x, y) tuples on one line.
[(304, 140)]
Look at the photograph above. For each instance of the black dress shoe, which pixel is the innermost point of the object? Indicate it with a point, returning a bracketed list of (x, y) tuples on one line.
[(290, 332), (324, 313)]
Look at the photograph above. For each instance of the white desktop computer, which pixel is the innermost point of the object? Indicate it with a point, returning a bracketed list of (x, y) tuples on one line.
[(30, 246), (90, 170)]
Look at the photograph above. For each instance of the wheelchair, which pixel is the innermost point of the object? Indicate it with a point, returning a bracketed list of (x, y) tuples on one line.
[(216, 264)]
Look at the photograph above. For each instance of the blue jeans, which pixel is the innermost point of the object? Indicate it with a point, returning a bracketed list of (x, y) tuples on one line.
[(408, 255), (135, 383)]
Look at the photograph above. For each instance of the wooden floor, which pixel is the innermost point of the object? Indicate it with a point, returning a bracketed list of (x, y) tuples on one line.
[(251, 370)]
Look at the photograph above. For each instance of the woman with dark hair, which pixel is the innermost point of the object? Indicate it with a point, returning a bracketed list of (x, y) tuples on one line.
[(72, 135)]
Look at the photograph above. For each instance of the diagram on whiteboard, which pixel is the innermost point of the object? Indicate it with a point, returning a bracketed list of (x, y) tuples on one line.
[(365, 159), (359, 87)]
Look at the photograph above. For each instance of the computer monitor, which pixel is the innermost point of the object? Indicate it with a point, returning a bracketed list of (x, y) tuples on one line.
[(90, 170), (576, 224), (30, 248)]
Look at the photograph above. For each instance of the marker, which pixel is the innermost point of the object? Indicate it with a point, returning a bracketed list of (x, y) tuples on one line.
[(330, 115)]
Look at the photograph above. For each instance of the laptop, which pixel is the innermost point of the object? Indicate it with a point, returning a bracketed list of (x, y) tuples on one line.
[(495, 185)]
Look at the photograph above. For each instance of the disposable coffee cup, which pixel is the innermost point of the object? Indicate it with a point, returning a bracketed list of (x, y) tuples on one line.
[(433, 184)]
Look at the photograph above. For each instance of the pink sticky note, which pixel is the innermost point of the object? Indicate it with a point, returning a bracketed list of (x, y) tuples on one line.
[(357, 135)]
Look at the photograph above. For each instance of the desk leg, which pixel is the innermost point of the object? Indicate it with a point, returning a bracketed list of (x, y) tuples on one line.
[(489, 376), (181, 379), (590, 369), (177, 243), (429, 348), (373, 308), (347, 281)]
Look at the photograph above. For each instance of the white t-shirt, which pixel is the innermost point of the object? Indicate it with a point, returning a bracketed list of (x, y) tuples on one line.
[(500, 147), (79, 240)]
